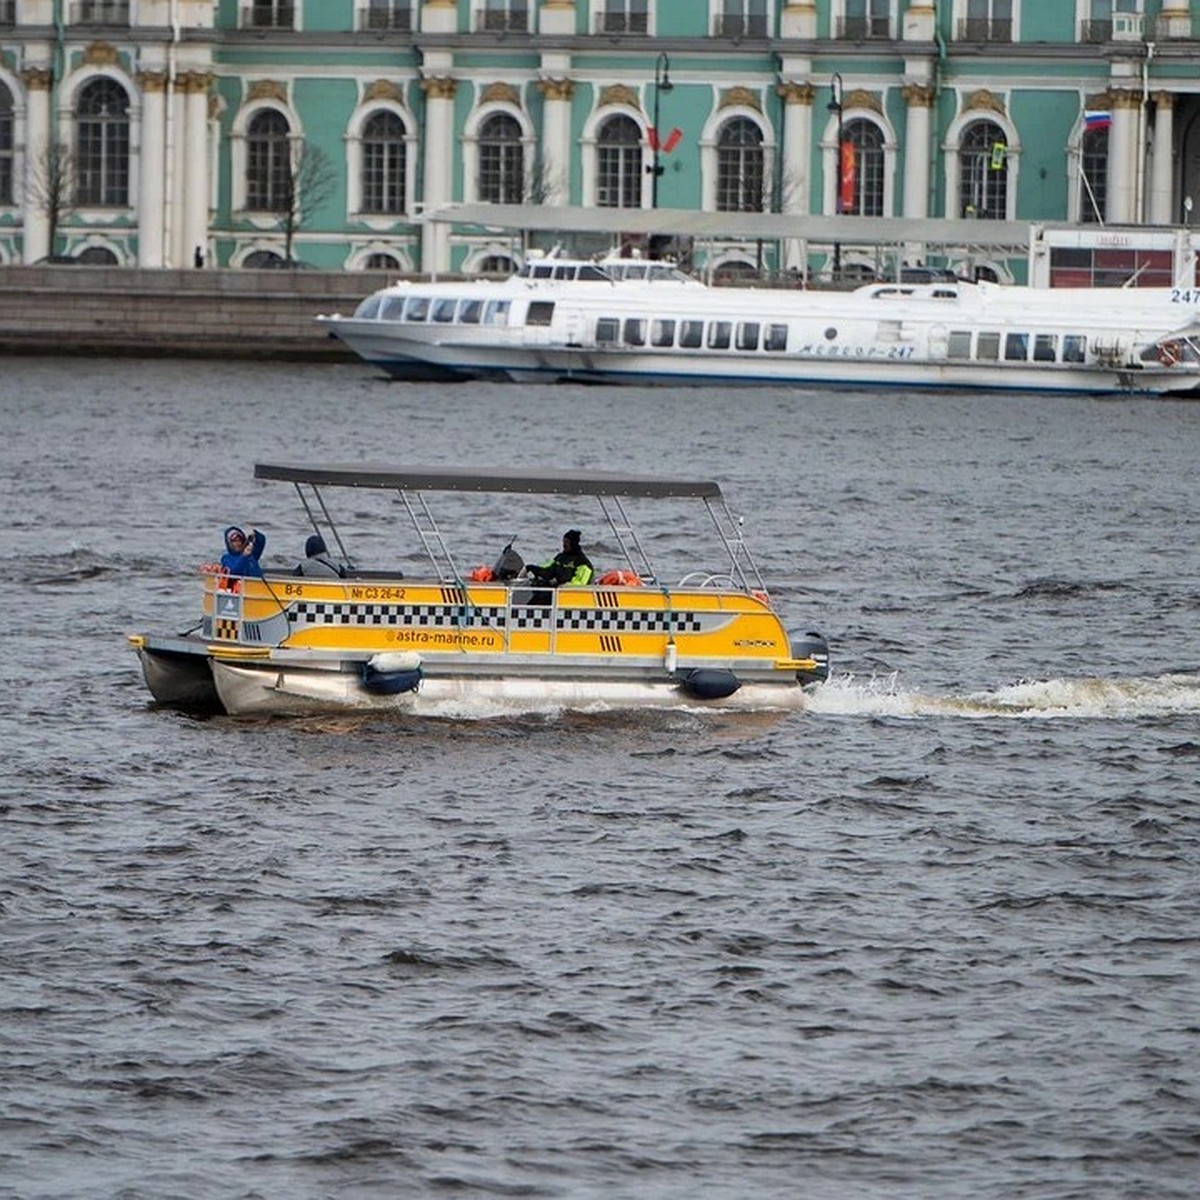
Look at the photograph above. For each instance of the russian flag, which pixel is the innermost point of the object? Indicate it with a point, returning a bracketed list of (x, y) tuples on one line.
[(1097, 120)]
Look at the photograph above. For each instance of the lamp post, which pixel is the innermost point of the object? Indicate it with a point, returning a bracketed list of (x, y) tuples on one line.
[(835, 106), (662, 83)]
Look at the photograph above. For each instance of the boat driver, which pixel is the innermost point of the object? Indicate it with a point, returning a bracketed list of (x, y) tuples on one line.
[(316, 559), (570, 566)]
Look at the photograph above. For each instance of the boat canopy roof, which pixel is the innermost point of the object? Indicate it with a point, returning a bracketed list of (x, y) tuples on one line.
[(455, 479)]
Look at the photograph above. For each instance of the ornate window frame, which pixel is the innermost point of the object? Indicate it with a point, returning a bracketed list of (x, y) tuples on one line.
[(16, 95), (252, 105), (68, 133), (857, 106), (598, 9), (739, 28), (494, 99), (626, 106), (709, 158), (367, 108), (981, 107)]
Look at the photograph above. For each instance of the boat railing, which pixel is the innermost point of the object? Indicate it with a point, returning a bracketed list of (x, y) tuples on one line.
[(705, 579)]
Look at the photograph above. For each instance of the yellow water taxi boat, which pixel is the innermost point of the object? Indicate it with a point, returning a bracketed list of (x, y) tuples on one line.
[(286, 644)]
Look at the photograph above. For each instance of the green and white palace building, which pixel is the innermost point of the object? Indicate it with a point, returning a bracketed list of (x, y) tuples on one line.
[(182, 120)]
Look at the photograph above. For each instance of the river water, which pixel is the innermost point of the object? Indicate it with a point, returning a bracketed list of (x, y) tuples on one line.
[(936, 936)]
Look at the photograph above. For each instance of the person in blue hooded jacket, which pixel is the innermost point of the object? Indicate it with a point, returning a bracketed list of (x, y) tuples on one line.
[(243, 549)]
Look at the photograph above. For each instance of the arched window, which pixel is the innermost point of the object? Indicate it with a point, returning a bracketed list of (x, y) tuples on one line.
[(98, 256), (865, 140), (262, 260), (384, 158), (102, 145), (1093, 176), (619, 164), (740, 174), (6, 146), (983, 172), (496, 264), (268, 162), (501, 160), (381, 261)]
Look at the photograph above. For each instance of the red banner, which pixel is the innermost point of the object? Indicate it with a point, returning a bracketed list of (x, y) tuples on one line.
[(666, 147), (848, 177)]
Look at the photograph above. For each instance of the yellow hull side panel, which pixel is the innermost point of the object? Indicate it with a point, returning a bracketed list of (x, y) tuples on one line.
[(370, 616)]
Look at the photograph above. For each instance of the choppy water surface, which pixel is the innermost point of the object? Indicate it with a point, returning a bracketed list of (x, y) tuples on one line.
[(937, 936)]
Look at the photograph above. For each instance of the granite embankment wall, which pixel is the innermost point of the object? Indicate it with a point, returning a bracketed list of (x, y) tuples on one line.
[(208, 313)]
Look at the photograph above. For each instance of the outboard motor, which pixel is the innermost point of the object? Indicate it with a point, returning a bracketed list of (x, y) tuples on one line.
[(509, 565), (813, 646)]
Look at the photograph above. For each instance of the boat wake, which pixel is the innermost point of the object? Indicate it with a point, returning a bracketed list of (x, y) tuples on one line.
[(1103, 699)]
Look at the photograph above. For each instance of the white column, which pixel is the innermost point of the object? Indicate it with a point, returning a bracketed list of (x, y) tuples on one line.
[(796, 183), (795, 193), (556, 140), (1122, 158), (37, 148), (798, 19), (152, 169), (1175, 21), (919, 21), (557, 17), (917, 148), (440, 155), (176, 251), (1161, 194), (195, 167)]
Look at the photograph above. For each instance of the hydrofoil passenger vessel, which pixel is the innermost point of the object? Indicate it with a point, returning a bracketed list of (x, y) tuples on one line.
[(629, 321)]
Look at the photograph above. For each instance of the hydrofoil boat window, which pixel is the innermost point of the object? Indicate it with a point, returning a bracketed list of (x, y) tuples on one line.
[(987, 347), (470, 311), (959, 344), (443, 310), (747, 335), (590, 274), (719, 333), (1045, 347), (635, 331), (496, 312), (1016, 347), (1074, 348), (662, 332), (691, 334), (541, 312), (368, 310), (776, 339), (392, 309), (417, 308)]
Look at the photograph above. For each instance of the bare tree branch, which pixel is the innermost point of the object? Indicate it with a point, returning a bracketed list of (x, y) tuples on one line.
[(309, 184), (52, 186)]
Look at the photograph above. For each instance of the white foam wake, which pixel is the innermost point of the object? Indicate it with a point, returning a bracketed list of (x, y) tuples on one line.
[(1050, 698)]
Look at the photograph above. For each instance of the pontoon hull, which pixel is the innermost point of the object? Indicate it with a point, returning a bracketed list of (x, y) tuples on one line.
[(267, 690), (179, 680)]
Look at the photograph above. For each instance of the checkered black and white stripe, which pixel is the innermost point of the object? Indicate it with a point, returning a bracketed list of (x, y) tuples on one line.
[(629, 620), (423, 616), (535, 616)]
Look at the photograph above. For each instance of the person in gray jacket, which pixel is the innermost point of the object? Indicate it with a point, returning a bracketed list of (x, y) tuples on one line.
[(316, 562)]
